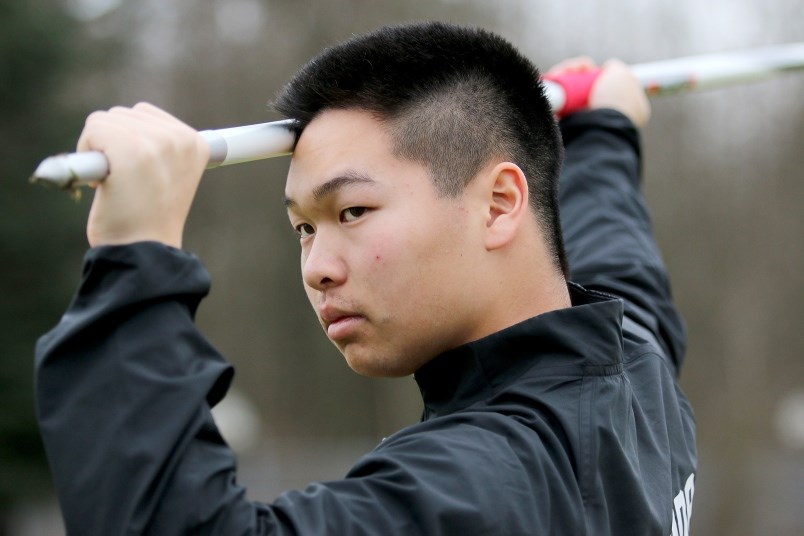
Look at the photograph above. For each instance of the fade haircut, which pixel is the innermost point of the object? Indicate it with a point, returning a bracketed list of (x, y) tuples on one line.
[(452, 98)]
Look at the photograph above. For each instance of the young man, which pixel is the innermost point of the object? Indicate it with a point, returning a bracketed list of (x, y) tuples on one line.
[(424, 188)]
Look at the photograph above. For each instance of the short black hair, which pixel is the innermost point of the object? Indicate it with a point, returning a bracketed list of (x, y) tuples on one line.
[(453, 97)]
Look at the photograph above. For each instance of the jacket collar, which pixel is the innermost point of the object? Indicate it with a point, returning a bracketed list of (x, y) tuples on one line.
[(575, 340)]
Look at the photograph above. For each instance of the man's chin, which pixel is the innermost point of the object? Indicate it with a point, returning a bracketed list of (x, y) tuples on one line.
[(374, 365)]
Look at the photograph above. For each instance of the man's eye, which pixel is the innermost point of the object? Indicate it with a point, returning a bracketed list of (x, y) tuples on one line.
[(352, 213), (304, 230)]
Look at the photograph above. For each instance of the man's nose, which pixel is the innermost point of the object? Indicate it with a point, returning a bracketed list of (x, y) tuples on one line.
[(323, 266)]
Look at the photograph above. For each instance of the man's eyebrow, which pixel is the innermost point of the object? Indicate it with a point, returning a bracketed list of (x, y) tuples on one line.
[(333, 185)]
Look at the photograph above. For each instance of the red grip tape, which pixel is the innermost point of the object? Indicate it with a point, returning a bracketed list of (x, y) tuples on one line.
[(577, 87)]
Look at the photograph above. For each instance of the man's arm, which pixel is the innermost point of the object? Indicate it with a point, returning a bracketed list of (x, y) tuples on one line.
[(606, 222), (155, 166), (125, 383), (124, 387)]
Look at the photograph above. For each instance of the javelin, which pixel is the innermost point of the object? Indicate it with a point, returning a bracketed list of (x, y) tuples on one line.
[(566, 93)]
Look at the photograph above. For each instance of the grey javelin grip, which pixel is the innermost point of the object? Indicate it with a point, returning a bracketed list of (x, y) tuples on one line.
[(226, 146), (252, 142)]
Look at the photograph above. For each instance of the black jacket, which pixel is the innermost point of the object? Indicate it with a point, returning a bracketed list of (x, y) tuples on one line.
[(571, 422)]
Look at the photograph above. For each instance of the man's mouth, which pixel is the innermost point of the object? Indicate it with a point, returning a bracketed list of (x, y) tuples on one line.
[(339, 323), (343, 326)]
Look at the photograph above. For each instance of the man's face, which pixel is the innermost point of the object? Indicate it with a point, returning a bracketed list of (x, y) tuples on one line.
[(387, 263)]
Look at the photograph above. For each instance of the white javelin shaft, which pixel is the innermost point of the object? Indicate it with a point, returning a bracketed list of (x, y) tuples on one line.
[(717, 70), (705, 71), (266, 140), (227, 146)]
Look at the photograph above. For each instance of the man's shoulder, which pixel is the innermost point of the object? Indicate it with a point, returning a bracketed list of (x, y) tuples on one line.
[(509, 449), (473, 433), (476, 458)]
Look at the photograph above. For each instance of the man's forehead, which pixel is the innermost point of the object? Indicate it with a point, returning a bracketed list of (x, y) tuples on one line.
[(320, 192), (345, 144), (342, 126), (339, 139)]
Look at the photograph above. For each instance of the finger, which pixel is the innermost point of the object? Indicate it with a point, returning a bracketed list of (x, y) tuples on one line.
[(142, 128), (148, 116), (102, 127), (147, 110), (577, 64), (147, 107), (147, 125), (90, 123), (618, 65), (156, 112)]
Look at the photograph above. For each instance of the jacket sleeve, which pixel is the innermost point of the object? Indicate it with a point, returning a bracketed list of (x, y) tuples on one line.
[(124, 387), (606, 224)]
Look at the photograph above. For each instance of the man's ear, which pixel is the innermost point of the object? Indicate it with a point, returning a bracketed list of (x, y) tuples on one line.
[(508, 204)]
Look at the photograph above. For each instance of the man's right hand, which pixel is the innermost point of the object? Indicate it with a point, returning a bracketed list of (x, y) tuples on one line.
[(616, 87), (155, 165)]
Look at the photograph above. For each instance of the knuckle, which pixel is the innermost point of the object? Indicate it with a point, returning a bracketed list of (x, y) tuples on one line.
[(144, 149), (95, 116)]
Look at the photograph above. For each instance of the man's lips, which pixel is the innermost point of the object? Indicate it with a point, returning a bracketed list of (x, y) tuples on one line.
[(343, 327), (339, 323)]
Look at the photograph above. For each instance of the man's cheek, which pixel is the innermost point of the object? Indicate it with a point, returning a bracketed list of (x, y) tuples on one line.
[(381, 253)]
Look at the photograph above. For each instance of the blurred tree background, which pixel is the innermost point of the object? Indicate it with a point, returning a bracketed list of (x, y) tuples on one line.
[(723, 174), (41, 50)]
